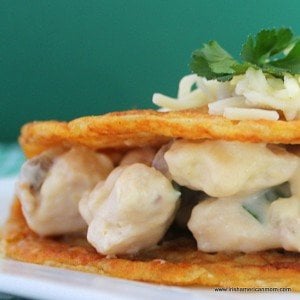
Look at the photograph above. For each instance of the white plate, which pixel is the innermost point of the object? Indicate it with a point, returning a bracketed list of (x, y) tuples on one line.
[(41, 282)]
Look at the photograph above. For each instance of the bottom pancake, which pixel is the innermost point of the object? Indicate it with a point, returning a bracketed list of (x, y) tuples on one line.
[(175, 262)]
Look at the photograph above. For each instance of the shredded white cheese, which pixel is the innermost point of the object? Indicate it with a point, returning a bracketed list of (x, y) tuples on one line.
[(253, 95), (234, 113), (186, 84), (194, 99), (218, 107), (270, 93)]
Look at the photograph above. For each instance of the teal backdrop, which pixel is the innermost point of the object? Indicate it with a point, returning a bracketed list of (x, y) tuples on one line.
[(67, 58)]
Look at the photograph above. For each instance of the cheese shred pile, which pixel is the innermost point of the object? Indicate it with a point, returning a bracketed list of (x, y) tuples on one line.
[(253, 95)]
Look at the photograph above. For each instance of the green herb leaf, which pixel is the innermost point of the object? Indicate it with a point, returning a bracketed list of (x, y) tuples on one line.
[(200, 65), (290, 63), (275, 51), (266, 43), (219, 60), (254, 214), (257, 204), (212, 61)]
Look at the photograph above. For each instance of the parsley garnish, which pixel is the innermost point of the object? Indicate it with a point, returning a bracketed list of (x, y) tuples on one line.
[(275, 51)]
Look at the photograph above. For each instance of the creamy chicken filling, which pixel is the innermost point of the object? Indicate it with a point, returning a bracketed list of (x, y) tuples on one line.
[(51, 185), (131, 211), (253, 199), (235, 196)]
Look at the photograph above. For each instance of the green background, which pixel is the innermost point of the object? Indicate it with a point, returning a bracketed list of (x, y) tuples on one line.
[(63, 59)]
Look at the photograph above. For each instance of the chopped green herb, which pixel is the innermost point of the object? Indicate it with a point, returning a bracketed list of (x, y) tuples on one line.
[(252, 213), (275, 51), (257, 204)]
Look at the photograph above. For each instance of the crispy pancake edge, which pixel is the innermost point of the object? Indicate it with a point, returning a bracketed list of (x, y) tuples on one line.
[(137, 128), (173, 263)]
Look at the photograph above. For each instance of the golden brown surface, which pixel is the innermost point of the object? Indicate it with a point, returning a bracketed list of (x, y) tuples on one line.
[(176, 262), (123, 130)]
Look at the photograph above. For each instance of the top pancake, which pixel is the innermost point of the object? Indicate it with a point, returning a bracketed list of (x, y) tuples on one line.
[(137, 128)]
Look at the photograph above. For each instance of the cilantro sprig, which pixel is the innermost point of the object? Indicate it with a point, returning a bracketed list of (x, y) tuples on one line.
[(275, 51)]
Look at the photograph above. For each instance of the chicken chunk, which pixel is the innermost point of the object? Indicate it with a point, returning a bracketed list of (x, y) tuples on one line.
[(285, 218), (131, 211), (222, 169), (260, 221), (51, 185), (224, 225)]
